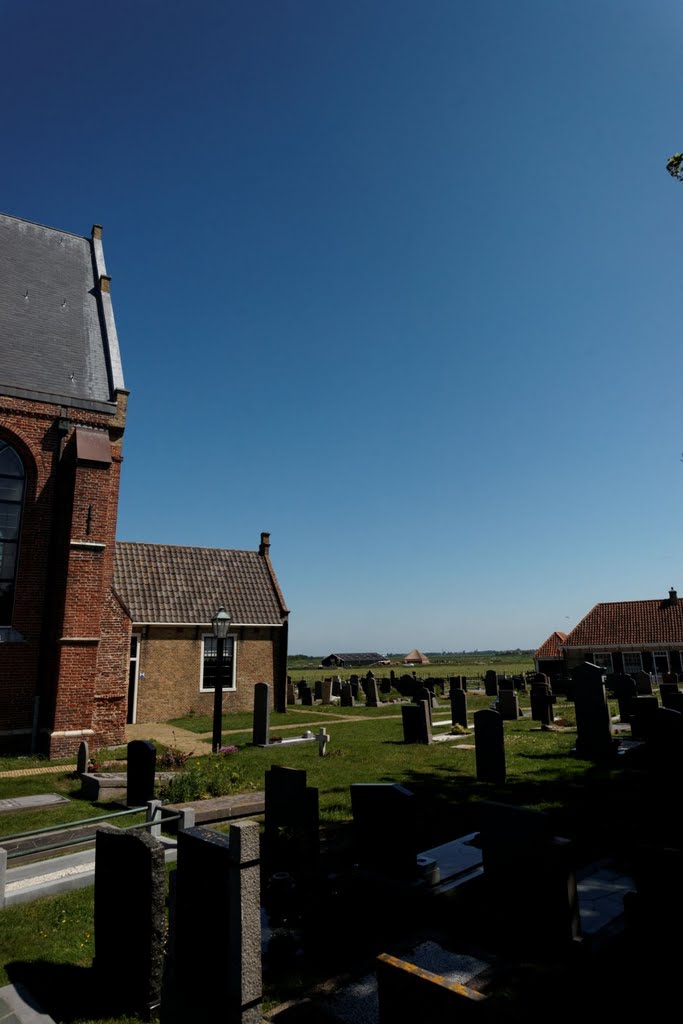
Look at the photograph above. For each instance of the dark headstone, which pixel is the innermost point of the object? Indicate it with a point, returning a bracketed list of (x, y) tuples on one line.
[(336, 686), (491, 683), (427, 696), (291, 829), (529, 878), (142, 758), (261, 726), (130, 919), (593, 732), (82, 758), (508, 705), (306, 696), (489, 746), (459, 707), (417, 722), (216, 968), (505, 682), (385, 685), (291, 693), (643, 681), (542, 701), (385, 828), (318, 689), (371, 694), (625, 690), (643, 713), (347, 699)]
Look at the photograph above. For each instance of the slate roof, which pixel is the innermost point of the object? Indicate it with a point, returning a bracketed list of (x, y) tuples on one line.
[(550, 648), (161, 583), (630, 623), (57, 334)]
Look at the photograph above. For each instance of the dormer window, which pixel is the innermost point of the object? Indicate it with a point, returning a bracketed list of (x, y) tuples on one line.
[(12, 484)]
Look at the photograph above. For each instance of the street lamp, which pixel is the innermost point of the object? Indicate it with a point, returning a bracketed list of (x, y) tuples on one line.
[(220, 624)]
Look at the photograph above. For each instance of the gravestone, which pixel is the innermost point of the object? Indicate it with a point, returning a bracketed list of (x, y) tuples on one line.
[(142, 759), (291, 824), (300, 687), (216, 968), (323, 739), (505, 682), (82, 758), (491, 683), (428, 697), (385, 685), (355, 689), (489, 745), (130, 919), (462, 682), (643, 681), (336, 686), (417, 722), (671, 678), (371, 695), (306, 696), (625, 691), (666, 742), (291, 696), (508, 705), (459, 707), (347, 700), (326, 692), (542, 701), (533, 900), (318, 689), (593, 732), (385, 828), (643, 712), (673, 700), (261, 727)]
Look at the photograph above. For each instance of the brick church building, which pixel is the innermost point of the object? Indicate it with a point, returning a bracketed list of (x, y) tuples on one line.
[(69, 659)]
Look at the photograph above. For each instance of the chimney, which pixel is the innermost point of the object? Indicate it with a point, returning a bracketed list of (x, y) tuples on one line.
[(264, 546), (673, 597)]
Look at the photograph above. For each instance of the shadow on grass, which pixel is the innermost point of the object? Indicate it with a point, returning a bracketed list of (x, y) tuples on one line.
[(67, 992)]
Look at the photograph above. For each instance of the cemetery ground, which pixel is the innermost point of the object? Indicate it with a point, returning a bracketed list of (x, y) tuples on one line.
[(48, 944)]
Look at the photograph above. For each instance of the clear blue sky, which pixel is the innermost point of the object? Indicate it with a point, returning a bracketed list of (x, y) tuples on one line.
[(394, 280)]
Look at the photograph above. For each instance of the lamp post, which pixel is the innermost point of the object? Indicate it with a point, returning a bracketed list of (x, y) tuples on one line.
[(220, 624)]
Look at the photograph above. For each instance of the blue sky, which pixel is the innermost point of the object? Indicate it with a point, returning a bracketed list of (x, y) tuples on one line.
[(395, 281)]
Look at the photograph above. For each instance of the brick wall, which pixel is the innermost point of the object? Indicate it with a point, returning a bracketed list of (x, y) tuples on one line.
[(64, 576), (170, 658)]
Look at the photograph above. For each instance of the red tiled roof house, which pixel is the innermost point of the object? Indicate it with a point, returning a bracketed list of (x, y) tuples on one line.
[(624, 636)]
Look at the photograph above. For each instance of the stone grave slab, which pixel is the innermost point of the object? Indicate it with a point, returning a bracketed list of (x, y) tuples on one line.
[(24, 803)]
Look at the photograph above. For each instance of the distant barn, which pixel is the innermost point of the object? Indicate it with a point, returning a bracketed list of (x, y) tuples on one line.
[(349, 660)]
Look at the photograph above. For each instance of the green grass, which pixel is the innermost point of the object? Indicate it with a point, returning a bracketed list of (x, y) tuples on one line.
[(471, 665)]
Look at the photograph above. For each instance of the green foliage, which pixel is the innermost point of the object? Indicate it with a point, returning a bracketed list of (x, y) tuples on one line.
[(206, 777), (674, 166)]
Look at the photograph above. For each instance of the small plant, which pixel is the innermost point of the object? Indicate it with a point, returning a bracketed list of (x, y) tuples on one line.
[(172, 758), (228, 750), (211, 776)]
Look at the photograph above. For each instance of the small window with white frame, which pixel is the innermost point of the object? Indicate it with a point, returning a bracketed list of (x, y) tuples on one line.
[(209, 663), (633, 662), (603, 659)]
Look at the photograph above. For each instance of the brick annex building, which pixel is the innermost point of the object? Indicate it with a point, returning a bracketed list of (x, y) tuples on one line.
[(72, 658)]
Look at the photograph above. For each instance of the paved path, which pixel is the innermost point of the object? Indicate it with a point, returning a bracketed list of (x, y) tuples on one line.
[(52, 769)]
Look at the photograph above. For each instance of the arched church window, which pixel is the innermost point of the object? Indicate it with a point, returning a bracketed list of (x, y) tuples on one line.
[(12, 481)]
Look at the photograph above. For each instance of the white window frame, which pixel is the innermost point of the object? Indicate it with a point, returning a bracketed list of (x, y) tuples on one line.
[(232, 685), (603, 654), (633, 654)]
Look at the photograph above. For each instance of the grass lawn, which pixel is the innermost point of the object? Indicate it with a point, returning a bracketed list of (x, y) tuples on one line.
[(49, 943)]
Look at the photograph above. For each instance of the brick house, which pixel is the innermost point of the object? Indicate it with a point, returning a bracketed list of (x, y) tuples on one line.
[(621, 636), (64, 636), (172, 594)]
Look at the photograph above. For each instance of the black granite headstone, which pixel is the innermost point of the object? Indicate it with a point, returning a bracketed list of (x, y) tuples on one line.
[(489, 744), (130, 919), (385, 828), (459, 707), (417, 722), (142, 759), (261, 726), (291, 828), (491, 683), (593, 732)]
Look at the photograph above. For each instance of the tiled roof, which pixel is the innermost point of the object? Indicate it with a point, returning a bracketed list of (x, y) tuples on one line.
[(57, 334), (630, 623), (161, 583), (550, 648)]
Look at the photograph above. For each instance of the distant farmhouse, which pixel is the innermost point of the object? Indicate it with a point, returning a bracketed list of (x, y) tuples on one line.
[(353, 660), (620, 636), (416, 658), (83, 652)]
